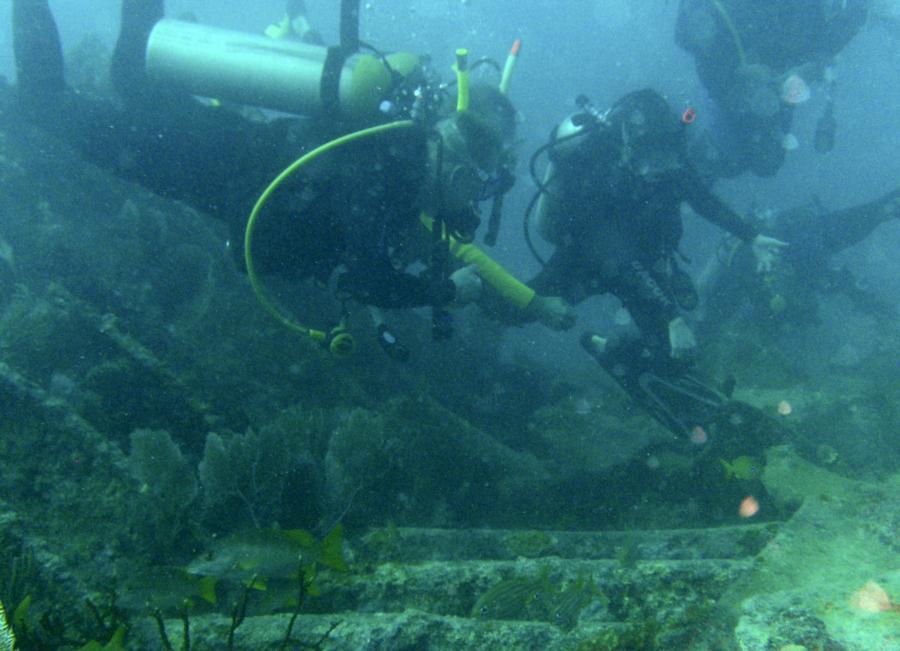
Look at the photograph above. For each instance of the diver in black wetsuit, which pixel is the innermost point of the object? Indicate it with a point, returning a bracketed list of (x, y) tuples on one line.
[(788, 294), (354, 213), (755, 57), (610, 203)]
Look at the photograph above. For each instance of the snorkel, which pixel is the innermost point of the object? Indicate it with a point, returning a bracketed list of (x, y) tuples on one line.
[(511, 59), (493, 229)]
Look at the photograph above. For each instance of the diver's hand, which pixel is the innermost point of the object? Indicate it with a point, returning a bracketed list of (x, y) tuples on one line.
[(765, 249), (681, 339), (551, 311), (467, 283)]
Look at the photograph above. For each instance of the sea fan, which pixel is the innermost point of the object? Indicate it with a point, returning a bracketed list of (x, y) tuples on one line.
[(7, 639)]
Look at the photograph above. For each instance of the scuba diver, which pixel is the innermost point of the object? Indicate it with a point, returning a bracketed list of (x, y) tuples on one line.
[(610, 203), (756, 61), (788, 294), (391, 173)]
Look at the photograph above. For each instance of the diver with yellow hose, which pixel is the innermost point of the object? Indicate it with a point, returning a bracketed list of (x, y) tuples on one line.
[(386, 170)]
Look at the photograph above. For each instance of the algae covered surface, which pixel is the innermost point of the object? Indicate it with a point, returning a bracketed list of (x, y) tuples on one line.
[(841, 540)]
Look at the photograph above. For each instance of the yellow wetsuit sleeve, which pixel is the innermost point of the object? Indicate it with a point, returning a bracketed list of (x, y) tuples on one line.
[(513, 290)]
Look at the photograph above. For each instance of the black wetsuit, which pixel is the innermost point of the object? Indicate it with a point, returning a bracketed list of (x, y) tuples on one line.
[(726, 36), (620, 233), (352, 208), (612, 208), (789, 293)]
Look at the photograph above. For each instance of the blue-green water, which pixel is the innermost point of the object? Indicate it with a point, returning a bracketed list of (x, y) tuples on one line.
[(172, 456)]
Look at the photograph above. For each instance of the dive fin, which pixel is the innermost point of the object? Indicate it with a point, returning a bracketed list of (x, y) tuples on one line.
[(680, 403), (672, 396)]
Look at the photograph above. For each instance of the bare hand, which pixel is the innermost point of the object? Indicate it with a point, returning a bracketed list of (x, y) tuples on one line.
[(766, 249)]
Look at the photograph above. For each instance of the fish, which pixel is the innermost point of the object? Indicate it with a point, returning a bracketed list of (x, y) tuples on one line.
[(511, 598), (264, 554), (167, 589), (568, 603), (743, 467), (537, 599)]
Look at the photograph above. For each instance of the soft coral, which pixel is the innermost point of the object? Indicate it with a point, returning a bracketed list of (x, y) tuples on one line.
[(872, 598)]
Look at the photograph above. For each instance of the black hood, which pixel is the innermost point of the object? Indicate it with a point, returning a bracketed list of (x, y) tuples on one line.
[(651, 135)]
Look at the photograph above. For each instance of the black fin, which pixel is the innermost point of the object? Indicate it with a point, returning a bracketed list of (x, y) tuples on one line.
[(668, 392)]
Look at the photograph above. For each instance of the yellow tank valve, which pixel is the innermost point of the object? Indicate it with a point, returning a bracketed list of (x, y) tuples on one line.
[(462, 79)]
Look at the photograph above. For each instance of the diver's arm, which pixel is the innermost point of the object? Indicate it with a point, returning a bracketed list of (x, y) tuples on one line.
[(706, 204), (550, 303)]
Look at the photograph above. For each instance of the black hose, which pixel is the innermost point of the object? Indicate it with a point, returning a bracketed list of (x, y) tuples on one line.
[(493, 230), (493, 63), (526, 227)]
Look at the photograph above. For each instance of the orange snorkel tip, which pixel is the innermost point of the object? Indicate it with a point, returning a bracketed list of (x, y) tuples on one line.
[(510, 65)]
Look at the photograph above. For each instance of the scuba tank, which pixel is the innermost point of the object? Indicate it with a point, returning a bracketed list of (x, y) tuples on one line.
[(565, 142), (278, 74)]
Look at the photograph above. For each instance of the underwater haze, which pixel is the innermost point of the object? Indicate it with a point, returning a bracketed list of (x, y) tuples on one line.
[(236, 415)]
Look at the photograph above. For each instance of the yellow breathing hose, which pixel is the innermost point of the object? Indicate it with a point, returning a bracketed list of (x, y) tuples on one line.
[(511, 289), (338, 340)]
